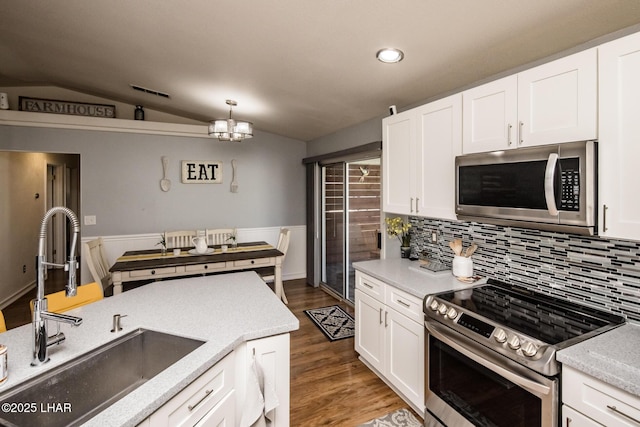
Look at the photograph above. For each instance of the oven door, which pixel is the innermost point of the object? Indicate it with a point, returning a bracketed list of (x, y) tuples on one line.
[(468, 384)]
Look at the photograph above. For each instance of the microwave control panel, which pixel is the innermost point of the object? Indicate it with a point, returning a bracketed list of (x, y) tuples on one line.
[(570, 185)]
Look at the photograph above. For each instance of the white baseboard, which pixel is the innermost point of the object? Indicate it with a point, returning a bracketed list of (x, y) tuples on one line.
[(294, 266)]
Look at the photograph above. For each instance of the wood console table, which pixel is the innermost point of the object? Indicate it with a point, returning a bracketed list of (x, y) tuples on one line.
[(151, 264)]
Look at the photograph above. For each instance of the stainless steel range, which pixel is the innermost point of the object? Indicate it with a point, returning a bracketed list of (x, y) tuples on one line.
[(491, 354)]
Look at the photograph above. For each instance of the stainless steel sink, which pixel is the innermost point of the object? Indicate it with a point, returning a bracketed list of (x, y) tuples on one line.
[(76, 391)]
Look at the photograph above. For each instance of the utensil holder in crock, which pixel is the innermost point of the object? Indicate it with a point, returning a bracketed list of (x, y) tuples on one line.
[(462, 266)]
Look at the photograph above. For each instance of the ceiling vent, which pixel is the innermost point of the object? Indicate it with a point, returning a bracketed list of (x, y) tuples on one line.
[(150, 91)]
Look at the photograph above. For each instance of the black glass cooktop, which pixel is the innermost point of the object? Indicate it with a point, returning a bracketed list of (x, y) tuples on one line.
[(548, 319)]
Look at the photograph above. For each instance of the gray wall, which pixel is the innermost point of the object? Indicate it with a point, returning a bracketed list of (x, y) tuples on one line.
[(120, 182)]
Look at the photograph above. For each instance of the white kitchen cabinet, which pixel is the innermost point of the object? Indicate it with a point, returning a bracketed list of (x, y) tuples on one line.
[(272, 354), (490, 116), (597, 401), (548, 104), (218, 397), (390, 337), (398, 163), (207, 398), (573, 418), (618, 148), (419, 149)]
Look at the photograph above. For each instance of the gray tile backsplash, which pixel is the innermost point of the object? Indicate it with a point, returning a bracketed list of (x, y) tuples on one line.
[(593, 271)]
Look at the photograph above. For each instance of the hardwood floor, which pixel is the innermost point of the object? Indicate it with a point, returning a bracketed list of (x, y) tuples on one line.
[(329, 385)]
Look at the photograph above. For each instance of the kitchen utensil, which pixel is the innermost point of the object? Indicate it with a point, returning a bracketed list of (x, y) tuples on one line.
[(234, 184), (456, 246), (165, 184), (470, 250), (201, 245)]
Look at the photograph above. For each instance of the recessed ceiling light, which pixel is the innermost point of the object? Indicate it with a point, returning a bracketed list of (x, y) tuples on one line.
[(389, 55)]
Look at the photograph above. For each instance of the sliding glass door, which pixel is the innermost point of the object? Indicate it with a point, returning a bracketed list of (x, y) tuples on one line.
[(351, 196)]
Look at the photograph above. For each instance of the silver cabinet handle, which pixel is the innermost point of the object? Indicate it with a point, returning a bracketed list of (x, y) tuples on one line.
[(206, 393), (568, 422), (521, 133), (509, 127), (381, 316), (386, 313), (619, 412), (411, 204), (367, 285), (403, 303), (604, 218), (417, 200)]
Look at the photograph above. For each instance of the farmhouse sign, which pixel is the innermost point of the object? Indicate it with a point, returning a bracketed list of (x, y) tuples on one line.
[(201, 172), (36, 105)]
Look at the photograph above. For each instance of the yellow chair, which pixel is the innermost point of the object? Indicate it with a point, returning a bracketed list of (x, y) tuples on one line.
[(58, 302), (3, 326)]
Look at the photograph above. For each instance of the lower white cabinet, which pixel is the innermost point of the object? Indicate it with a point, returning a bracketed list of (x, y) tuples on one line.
[(205, 399), (390, 335), (588, 401), (219, 396)]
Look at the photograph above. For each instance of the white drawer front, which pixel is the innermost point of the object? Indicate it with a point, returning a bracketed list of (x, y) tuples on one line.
[(253, 262), (370, 286), (602, 402), (405, 303), (204, 268), (153, 272)]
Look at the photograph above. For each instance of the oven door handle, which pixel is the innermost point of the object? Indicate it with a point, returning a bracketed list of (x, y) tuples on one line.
[(440, 332)]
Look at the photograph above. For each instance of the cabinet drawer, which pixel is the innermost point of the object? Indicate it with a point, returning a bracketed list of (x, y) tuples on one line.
[(404, 303), (598, 400), (253, 262), (153, 272), (370, 286), (204, 268), (197, 399)]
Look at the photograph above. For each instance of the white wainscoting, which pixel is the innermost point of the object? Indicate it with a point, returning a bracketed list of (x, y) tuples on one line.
[(294, 266)]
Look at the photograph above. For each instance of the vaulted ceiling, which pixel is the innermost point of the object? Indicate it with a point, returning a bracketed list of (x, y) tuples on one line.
[(297, 68)]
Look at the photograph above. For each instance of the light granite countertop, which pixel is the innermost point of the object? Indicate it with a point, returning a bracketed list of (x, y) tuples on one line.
[(612, 357), (407, 276), (223, 310)]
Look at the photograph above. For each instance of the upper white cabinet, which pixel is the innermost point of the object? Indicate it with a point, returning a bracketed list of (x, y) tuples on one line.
[(419, 149), (552, 103), (619, 149), (398, 163)]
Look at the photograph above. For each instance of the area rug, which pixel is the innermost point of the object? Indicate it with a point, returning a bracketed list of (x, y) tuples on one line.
[(333, 321), (399, 418)]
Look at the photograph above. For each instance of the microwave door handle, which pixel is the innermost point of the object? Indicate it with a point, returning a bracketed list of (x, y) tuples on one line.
[(549, 180)]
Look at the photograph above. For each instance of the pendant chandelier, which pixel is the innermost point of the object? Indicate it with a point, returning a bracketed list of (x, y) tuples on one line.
[(230, 129)]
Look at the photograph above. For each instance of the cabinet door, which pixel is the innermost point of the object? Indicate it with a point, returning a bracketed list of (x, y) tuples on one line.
[(618, 148), (398, 159), (573, 418), (405, 356), (369, 334), (557, 101), (490, 116), (440, 135), (273, 356)]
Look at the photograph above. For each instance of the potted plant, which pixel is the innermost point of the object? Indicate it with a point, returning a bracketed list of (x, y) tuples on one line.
[(233, 240), (396, 227), (163, 244)]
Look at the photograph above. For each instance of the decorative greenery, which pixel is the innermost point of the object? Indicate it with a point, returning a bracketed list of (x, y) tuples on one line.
[(162, 242), (396, 227)]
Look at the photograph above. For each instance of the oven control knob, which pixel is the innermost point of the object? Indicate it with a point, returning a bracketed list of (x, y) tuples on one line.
[(442, 309), (529, 349), (500, 335), (434, 305), (514, 342), (452, 313)]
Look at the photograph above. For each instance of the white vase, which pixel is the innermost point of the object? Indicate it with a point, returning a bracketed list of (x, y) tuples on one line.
[(462, 266)]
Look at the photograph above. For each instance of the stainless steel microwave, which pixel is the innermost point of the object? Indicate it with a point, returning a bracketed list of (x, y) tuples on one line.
[(551, 187)]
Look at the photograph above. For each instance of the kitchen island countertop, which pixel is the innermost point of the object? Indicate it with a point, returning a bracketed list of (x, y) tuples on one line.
[(223, 310), (407, 276), (611, 357)]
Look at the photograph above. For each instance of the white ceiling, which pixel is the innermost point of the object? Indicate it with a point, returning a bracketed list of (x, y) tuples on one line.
[(298, 68)]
